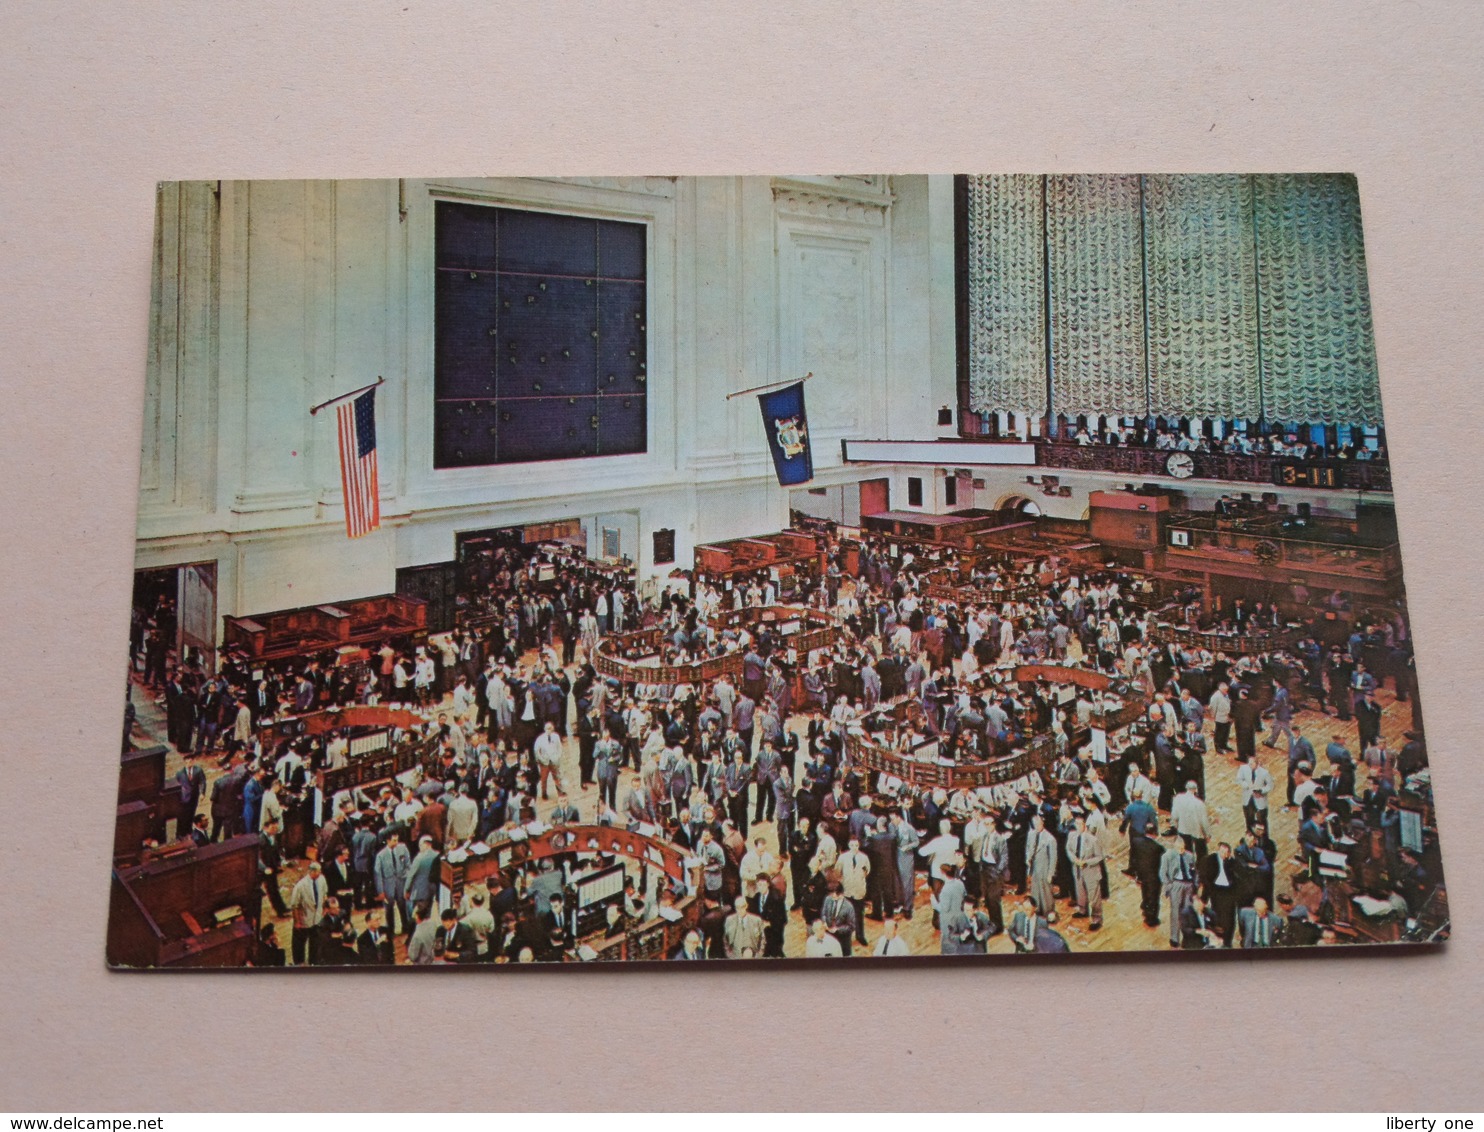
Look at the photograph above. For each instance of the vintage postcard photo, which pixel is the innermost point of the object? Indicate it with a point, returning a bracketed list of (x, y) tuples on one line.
[(630, 569)]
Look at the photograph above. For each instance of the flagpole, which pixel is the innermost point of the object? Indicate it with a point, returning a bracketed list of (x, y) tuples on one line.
[(770, 385), (343, 396)]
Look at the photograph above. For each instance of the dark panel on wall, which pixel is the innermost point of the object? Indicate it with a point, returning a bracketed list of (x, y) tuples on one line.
[(621, 250), (466, 337), (547, 341), (621, 425), (544, 243), (465, 434), (664, 547), (537, 314), (466, 235), (548, 428)]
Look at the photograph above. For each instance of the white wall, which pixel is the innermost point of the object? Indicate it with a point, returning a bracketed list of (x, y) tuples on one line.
[(274, 295)]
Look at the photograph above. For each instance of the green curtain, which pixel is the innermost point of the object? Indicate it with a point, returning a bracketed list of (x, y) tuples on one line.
[(1319, 356), (1094, 236), (1203, 304), (1007, 305), (1246, 294)]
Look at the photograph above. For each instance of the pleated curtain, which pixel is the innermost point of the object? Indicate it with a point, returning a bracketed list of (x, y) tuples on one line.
[(1319, 356), (1094, 231), (1007, 294), (1202, 301)]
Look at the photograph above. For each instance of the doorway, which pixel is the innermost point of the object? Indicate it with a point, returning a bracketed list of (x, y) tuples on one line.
[(173, 617), (875, 496)]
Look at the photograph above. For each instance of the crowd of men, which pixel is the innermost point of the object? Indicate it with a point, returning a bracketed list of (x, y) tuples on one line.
[(753, 776), (1292, 444)]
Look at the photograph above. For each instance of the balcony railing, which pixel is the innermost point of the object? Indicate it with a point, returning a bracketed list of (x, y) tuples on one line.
[(1279, 471)]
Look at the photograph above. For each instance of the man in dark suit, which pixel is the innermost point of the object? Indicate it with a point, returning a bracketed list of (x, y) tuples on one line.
[(556, 930), (1368, 718), (768, 905), (588, 726), (1030, 932), (1220, 883), (454, 941), (192, 782), (838, 914), (1144, 855), (374, 945), (1245, 718), (690, 947)]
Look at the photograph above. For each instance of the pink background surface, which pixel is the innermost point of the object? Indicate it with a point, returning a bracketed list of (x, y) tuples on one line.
[(101, 101)]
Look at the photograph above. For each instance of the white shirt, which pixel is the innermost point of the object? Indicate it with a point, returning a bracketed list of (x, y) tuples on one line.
[(942, 850), (1188, 813), (823, 947), (891, 945), (548, 748)]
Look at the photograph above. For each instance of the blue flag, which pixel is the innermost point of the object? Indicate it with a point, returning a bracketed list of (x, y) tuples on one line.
[(787, 429)]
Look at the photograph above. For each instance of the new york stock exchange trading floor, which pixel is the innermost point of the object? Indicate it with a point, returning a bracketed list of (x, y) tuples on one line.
[(1336, 905)]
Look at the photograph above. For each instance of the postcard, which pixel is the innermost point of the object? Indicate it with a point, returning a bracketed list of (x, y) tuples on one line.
[(646, 569)]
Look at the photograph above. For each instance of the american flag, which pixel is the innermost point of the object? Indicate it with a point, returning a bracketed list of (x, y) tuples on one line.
[(358, 464)]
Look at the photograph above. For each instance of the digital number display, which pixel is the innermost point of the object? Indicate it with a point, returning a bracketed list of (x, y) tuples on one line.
[(1306, 475)]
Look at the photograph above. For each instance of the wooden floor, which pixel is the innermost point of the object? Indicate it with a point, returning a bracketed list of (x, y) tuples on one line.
[(1123, 926)]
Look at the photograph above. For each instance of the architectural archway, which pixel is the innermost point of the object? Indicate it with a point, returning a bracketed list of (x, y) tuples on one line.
[(1019, 505)]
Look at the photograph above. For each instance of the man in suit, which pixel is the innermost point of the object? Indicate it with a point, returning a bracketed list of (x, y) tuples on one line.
[(690, 947), (1197, 926), (454, 942), (555, 926), (307, 906), (423, 875), (192, 782), (838, 916), (1221, 888), (392, 866), (1246, 716), (422, 943), (769, 907), (1259, 927), (607, 759), (1368, 718), (1192, 820), (1041, 852), (743, 933), (1085, 852), (564, 813), (226, 803), (765, 769), (1144, 854), (338, 878), (374, 945), (959, 934), (785, 806), (908, 842), (1030, 932), (1177, 873), (363, 862), (1281, 711)]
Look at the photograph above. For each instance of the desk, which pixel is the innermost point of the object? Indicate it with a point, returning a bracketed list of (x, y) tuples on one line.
[(654, 939), (811, 630), (163, 913), (1034, 757)]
